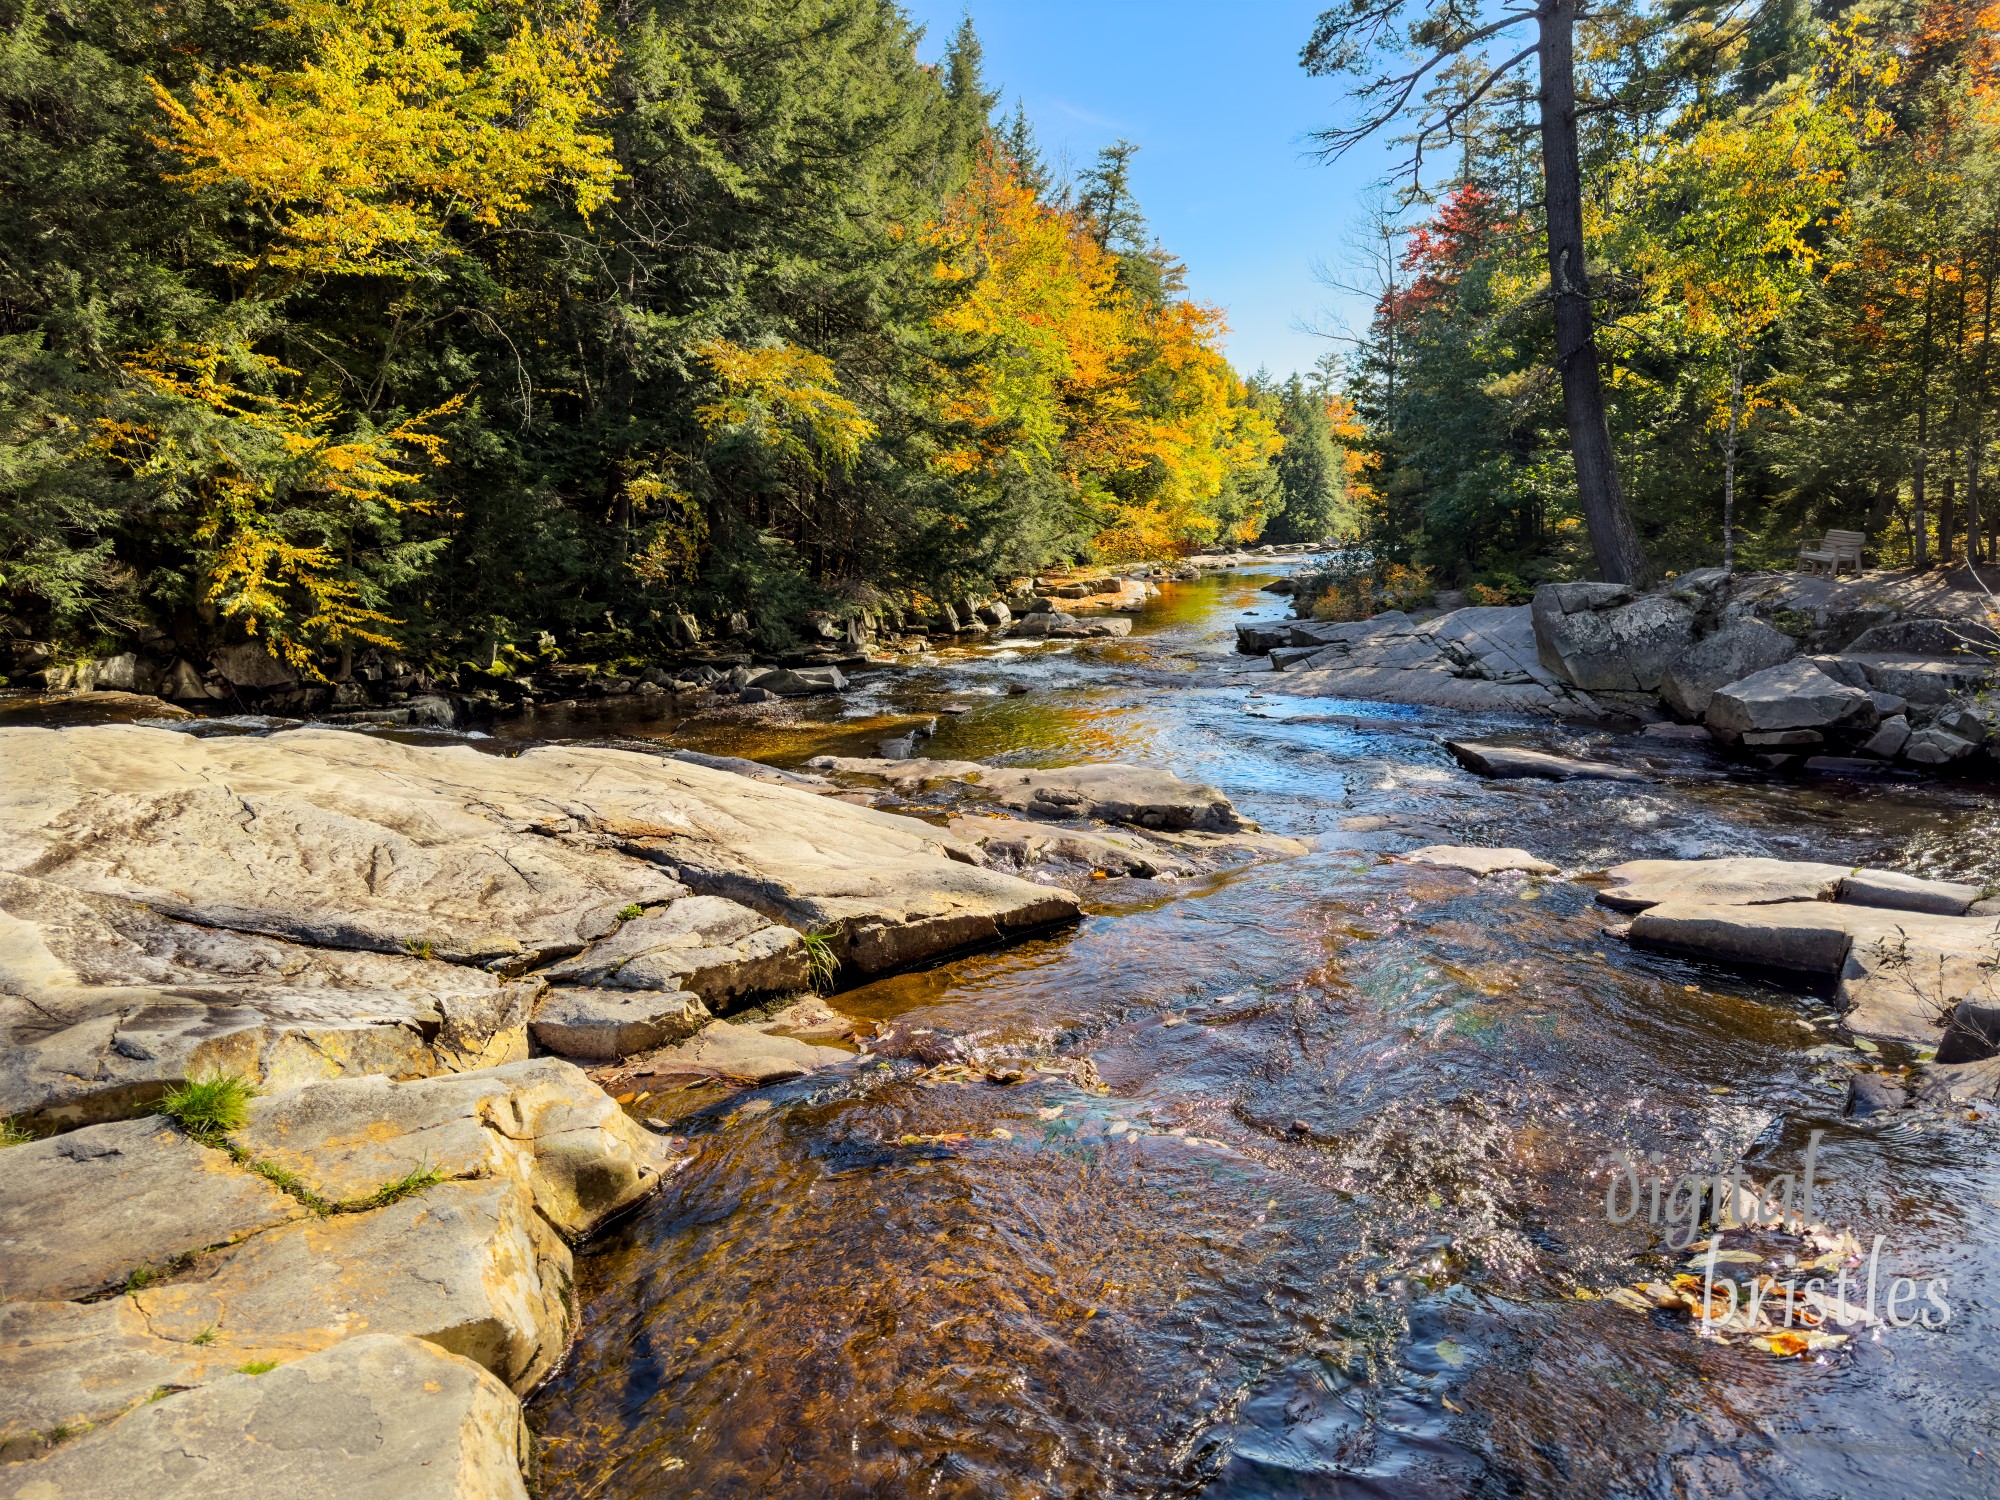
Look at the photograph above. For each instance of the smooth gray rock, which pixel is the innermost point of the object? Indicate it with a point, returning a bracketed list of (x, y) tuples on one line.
[(1895, 891), (598, 1025), (378, 1417), (1729, 655), (1926, 681), (79, 1213), (1592, 641), (718, 949), (799, 682), (1138, 795), (1478, 861), (1741, 881), (1512, 762), (470, 1266), (1796, 695)]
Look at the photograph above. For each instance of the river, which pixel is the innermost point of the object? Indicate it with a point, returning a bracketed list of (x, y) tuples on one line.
[(1324, 1231)]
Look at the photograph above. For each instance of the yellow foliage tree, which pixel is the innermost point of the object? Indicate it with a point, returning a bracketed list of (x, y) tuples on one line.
[(239, 455), (402, 124), (786, 397), (395, 123), (1131, 402)]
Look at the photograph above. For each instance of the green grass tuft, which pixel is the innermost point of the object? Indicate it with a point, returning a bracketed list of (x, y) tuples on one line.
[(632, 913), (11, 1133), (257, 1367), (413, 1181), (417, 947), (205, 1337), (140, 1278), (821, 962), (210, 1106)]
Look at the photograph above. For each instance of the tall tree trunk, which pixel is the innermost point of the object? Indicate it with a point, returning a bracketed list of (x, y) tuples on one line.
[(1975, 450), (1920, 521), (1621, 556), (1729, 440)]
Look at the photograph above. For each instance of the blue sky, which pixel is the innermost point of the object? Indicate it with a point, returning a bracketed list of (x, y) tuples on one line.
[(1212, 92)]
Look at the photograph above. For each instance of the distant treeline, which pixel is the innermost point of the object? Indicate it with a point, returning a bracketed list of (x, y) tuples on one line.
[(445, 322)]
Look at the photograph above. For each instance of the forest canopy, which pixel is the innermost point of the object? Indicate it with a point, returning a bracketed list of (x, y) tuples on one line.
[(1791, 228), (438, 323)]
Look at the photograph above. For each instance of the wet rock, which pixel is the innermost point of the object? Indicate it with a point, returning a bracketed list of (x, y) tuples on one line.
[(1508, 762), (1729, 655), (378, 1417), (1692, 734), (809, 1020), (1057, 623), (1795, 695), (1973, 1032), (605, 1025), (739, 1053), (798, 682), (1115, 794), (1961, 1083), (1899, 972), (1898, 892), (719, 950), (1479, 861), (1745, 881), (1805, 937), (1593, 639), (79, 1213), (1871, 1093)]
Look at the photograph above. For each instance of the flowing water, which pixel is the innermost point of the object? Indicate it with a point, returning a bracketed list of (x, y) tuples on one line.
[(1323, 1232)]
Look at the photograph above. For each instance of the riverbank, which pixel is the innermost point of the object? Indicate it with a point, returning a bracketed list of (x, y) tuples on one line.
[(1277, 1111)]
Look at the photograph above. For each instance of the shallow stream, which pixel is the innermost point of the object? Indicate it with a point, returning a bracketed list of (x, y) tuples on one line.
[(1324, 1233)]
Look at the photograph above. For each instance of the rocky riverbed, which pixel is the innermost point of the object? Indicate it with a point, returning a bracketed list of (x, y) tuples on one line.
[(1207, 1088)]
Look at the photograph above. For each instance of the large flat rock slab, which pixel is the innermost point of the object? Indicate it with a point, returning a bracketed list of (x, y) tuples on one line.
[(1747, 881), (374, 1418), (104, 1003), (320, 837), (718, 949), (541, 1123), (468, 1266), (740, 1054), (319, 903), (596, 1025), (1516, 762), (1900, 952), (79, 1213), (1111, 793)]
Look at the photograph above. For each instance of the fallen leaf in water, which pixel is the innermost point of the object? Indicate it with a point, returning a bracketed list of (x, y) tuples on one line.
[(1000, 1134), (1452, 1352), (1450, 1405), (942, 1138), (1788, 1342)]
